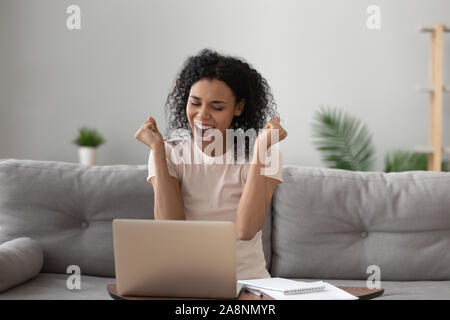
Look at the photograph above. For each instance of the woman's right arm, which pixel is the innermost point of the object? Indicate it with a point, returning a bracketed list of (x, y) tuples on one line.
[(168, 200), (167, 190)]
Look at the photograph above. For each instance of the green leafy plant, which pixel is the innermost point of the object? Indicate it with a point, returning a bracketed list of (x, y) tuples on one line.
[(88, 138), (343, 140), (400, 160), (445, 166), (346, 144)]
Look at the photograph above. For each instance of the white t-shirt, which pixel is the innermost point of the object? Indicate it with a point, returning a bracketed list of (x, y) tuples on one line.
[(211, 189)]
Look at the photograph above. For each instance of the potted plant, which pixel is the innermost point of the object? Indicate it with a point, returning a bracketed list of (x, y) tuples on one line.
[(87, 141)]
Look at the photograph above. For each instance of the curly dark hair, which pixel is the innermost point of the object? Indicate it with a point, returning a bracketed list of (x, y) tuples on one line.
[(243, 80)]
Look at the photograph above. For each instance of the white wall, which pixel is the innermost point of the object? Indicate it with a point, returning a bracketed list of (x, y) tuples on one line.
[(120, 66)]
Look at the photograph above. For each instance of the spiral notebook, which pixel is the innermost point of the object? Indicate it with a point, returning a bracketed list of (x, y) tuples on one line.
[(286, 286), (309, 290)]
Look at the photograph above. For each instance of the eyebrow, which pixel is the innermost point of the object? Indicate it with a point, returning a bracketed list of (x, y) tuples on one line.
[(213, 101)]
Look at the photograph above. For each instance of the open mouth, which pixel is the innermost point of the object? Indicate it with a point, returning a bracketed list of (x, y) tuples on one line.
[(203, 130)]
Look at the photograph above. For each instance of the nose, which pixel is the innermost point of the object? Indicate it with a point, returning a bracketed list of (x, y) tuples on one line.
[(203, 114)]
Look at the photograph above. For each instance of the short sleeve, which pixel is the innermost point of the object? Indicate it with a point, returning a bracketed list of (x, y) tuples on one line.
[(274, 167), (170, 164)]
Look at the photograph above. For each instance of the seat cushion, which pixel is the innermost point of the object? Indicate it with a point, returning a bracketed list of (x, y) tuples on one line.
[(52, 286), (401, 290)]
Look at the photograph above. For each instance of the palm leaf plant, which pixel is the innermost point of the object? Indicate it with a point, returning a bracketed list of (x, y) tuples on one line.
[(343, 140)]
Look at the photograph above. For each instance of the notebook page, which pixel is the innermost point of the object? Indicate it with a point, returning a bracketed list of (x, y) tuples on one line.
[(330, 293), (280, 284)]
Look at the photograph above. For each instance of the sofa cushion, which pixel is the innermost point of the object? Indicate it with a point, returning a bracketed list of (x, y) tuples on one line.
[(53, 286), (68, 209), (20, 260), (332, 223)]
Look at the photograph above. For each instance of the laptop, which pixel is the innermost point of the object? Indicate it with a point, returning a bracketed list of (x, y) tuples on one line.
[(175, 258)]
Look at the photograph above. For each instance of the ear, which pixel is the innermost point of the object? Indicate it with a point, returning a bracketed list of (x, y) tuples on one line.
[(239, 107)]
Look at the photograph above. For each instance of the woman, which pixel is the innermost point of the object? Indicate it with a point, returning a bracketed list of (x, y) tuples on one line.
[(214, 95)]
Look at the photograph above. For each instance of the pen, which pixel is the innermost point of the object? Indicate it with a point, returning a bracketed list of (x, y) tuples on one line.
[(256, 293)]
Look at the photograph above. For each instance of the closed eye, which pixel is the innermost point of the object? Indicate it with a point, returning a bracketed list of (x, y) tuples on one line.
[(198, 104)]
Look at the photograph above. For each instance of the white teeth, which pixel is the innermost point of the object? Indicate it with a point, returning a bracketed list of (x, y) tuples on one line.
[(199, 126)]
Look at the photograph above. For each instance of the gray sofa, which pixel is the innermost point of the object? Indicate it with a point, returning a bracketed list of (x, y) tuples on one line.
[(326, 224)]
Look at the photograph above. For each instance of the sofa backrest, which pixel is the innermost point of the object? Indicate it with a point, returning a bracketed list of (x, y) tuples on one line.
[(335, 224), (68, 209)]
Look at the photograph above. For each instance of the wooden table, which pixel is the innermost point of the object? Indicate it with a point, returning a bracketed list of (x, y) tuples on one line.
[(361, 292)]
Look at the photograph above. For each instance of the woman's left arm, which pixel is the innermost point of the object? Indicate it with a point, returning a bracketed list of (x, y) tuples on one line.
[(258, 188)]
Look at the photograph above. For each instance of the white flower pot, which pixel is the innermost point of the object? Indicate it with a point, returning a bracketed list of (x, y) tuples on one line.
[(87, 155)]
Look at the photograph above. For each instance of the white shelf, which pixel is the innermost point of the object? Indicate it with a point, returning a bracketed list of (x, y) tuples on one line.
[(430, 149), (424, 88), (445, 88), (423, 28), (424, 149)]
